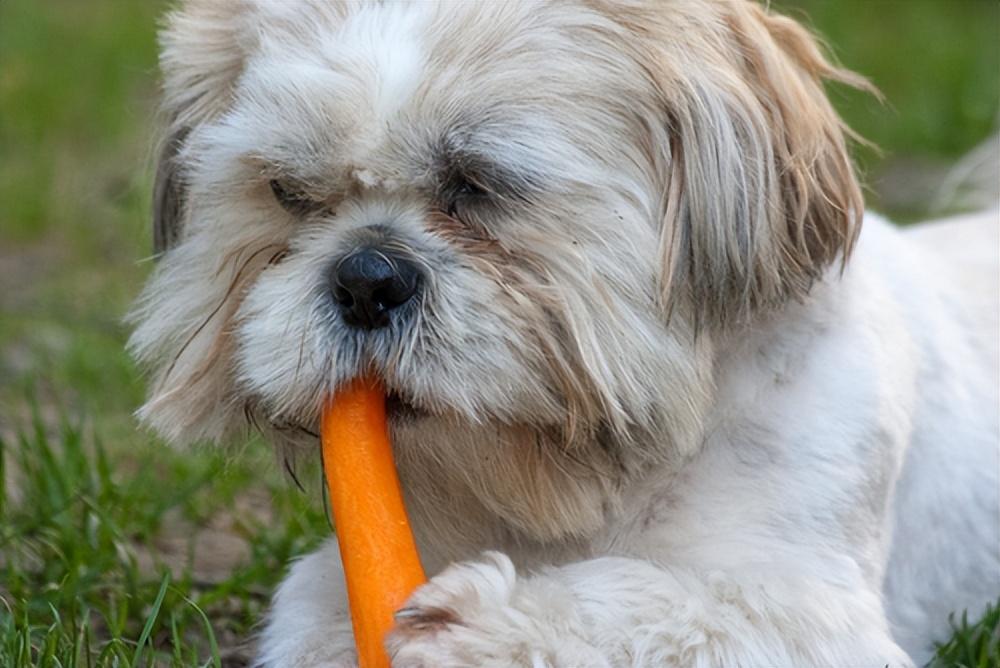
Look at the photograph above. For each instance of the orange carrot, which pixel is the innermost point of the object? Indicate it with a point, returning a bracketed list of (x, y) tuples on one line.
[(380, 559)]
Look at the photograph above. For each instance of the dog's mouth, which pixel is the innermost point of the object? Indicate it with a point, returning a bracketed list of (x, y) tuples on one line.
[(398, 407)]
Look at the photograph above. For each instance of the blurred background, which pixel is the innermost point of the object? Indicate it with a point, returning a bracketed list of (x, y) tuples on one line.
[(115, 550)]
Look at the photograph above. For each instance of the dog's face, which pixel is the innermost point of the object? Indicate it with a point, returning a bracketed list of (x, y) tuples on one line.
[(530, 219)]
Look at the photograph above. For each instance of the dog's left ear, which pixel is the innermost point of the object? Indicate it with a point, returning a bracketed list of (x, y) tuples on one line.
[(203, 48), (761, 194)]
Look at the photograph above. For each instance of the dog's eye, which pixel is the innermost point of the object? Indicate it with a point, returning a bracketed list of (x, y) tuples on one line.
[(460, 193), (291, 200)]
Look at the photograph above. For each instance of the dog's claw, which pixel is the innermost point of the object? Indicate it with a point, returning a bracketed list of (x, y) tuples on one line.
[(424, 618), (406, 613)]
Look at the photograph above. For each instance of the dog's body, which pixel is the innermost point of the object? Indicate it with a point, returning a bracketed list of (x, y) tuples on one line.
[(945, 529), (776, 545), (596, 251)]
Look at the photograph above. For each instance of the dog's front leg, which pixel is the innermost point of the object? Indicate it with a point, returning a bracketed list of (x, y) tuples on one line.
[(309, 625), (620, 612)]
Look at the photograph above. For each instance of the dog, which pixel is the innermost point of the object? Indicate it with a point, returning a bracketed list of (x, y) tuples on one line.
[(660, 391)]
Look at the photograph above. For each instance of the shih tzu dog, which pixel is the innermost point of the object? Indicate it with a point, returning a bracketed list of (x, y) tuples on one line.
[(658, 397)]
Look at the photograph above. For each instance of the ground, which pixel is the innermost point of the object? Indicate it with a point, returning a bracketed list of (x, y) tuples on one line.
[(118, 551)]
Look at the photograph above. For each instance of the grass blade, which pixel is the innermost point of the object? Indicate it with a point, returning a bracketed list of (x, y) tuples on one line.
[(216, 659), (151, 620)]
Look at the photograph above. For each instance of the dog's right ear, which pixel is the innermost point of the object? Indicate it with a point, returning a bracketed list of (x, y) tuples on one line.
[(203, 49)]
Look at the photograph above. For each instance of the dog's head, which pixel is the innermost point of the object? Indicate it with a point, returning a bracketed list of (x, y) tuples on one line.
[(530, 219)]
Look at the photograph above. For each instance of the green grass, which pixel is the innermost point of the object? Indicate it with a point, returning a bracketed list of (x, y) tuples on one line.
[(98, 551), (117, 551), (973, 645)]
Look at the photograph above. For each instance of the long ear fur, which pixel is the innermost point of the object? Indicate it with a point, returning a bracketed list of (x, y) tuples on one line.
[(202, 54), (761, 193), (181, 318)]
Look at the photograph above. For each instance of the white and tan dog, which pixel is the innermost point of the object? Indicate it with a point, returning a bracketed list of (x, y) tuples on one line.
[(649, 407)]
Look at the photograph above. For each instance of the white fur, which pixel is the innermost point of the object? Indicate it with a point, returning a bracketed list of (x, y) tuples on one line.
[(664, 426), (768, 550)]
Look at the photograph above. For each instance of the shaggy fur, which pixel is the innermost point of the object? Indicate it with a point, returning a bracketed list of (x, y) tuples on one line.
[(659, 414)]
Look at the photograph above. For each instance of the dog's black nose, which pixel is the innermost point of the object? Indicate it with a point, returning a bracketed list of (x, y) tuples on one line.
[(369, 283)]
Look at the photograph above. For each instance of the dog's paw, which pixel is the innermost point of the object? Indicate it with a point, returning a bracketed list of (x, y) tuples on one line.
[(481, 614)]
